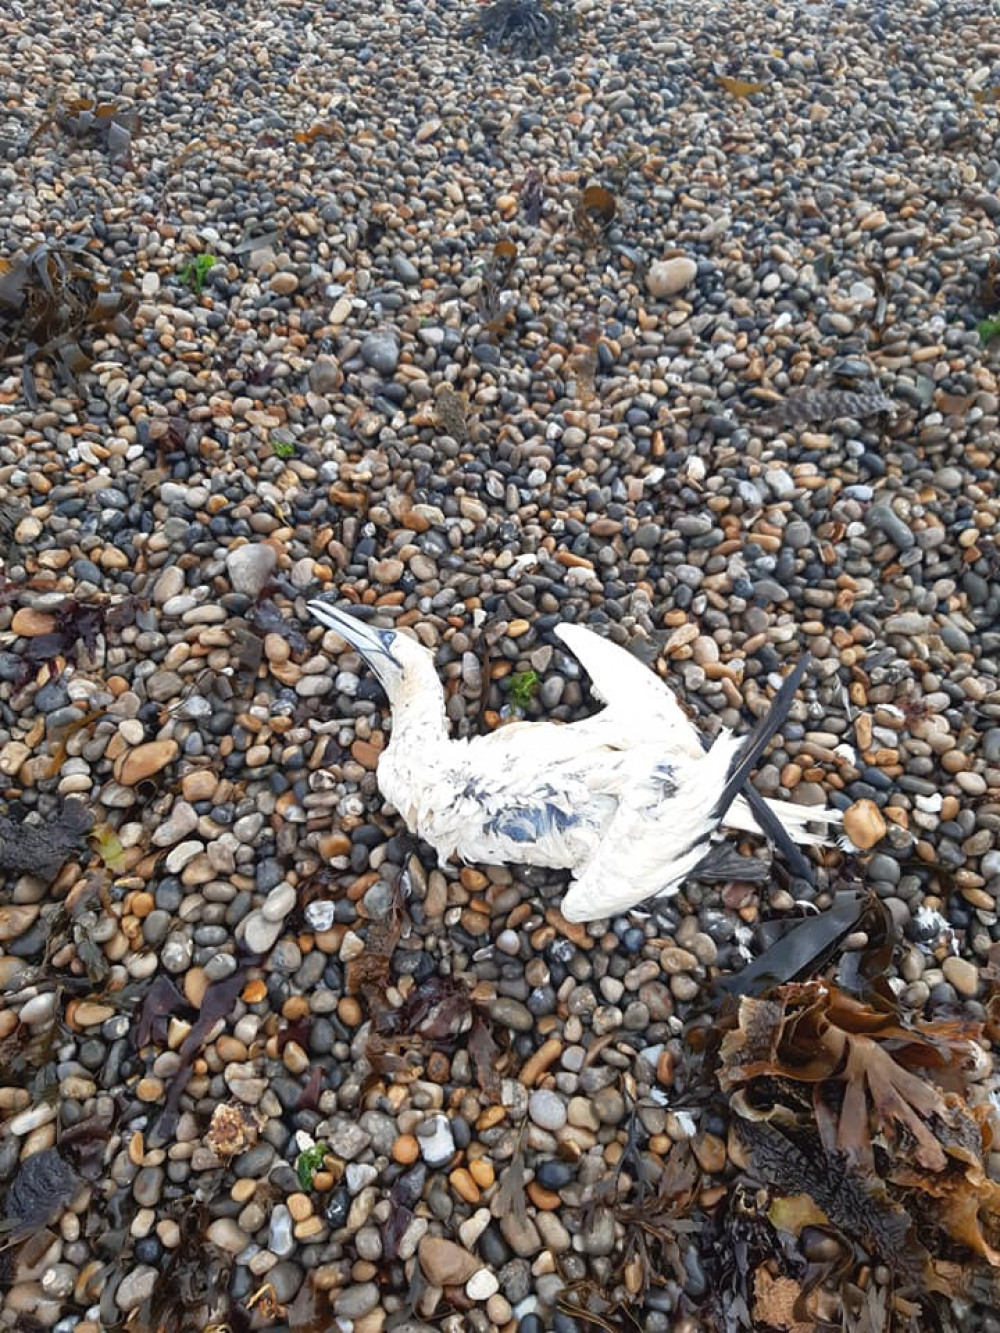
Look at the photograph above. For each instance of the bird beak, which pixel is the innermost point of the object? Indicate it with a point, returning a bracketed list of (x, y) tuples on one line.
[(373, 644)]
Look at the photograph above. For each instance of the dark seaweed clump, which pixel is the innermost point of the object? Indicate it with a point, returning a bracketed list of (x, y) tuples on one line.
[(525, 27)]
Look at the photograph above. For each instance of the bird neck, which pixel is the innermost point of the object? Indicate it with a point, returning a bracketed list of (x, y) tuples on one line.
[(418, 719)]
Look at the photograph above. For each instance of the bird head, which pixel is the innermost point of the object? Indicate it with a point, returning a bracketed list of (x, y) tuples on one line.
[(404, 666)]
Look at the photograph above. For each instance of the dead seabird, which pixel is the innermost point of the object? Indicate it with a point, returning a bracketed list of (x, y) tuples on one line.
[(628, 799)]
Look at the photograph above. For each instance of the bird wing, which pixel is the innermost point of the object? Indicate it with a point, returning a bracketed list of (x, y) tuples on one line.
[(637, 701), (658, 835)]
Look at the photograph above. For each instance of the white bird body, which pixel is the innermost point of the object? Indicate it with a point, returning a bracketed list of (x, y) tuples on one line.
[(625, 799)]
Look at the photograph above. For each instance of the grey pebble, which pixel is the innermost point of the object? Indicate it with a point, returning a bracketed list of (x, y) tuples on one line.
[(381, 352)]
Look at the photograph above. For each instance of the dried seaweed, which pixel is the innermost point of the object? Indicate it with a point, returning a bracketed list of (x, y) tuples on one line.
[(249, 656), (652, 1219), (989, 287), (369, 974), (105, 123), (403, 1198), (191, 1282), (510, 1199), (50, 299), (436, 1015), (217, 1003), (320, 129), (495, 301), (451, 410), (863, 1115), (739, 88), (800, 950), (310, 1311), (308, 1098), (594, 212), (75, 628), (42, 849), (268, 619), (42, 1188), (527, 28), (845, 1197), (86, 1142), (828, 405), (896, 1074), (436, 1010), (485, 1057), (161, 1002), (532, 191)]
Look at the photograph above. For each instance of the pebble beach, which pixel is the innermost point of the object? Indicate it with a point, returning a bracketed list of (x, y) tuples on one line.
[(671, 325)]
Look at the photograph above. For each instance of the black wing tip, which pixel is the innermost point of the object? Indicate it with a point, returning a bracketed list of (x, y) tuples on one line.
[(749, 755)]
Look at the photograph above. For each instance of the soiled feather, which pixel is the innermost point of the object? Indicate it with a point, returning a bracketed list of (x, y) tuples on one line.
[(829, 405)]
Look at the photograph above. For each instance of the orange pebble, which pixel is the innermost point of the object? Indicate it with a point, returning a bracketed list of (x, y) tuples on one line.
[(542, 1198), (481, 1171), (464, 1186), (405, 1150)]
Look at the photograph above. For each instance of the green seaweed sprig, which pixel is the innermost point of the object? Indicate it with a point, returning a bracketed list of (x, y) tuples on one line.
[(194, 273), (309, 1162), (522, 687)]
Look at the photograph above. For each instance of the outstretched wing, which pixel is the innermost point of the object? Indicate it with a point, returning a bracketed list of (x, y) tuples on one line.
[(640, 704)]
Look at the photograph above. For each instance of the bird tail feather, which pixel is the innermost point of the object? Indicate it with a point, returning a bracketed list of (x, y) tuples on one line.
[(758, 740), (808, 825)]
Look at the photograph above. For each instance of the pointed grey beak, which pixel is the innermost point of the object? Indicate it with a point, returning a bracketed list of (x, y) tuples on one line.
[(371, 643)]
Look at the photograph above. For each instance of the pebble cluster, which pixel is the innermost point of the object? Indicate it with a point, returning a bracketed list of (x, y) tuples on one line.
[(334, 411)]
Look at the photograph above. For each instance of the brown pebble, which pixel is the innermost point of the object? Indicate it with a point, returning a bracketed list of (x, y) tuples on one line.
[(30, 623), (864, 824), (16, 918), (464, 1186), (149, 1089), (481, 1171), (710, 1152), (196, 983), (144, 761), (444, 1263), (547, 1200), (199, 786), (961, 974), (405, 1150), (539, 1062)]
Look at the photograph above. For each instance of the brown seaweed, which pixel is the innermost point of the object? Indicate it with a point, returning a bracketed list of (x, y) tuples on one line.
[(161, 1002), (495, 301), (594, 212), (800, 950), (217, 1003), (44, 1185), (51, 298), (106, 123), (42, 849), (532, 191), (527, 28), (75, 628)]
